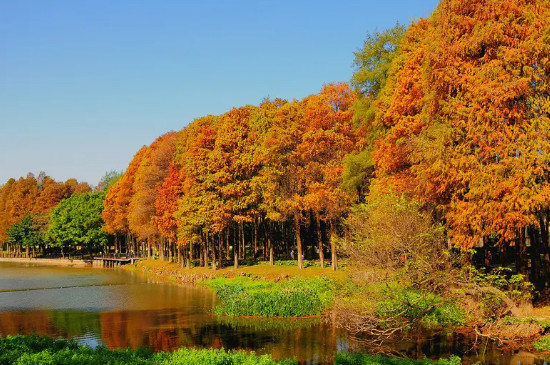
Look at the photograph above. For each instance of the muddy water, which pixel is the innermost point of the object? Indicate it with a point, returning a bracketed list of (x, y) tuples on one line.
[(119, 309)]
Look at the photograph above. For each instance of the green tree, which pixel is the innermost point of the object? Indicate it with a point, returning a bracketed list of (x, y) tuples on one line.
[(108, 180), (24, 233), (373, 61), (77, 222), (373, 66)]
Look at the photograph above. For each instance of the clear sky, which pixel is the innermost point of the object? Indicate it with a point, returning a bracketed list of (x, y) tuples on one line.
[(85, 83)]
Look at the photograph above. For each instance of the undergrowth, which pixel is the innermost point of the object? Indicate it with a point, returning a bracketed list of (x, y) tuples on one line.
[(364, 359), (415, 307), (27, 350)]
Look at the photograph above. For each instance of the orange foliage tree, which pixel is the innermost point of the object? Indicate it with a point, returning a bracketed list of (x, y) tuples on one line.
[(466, 115)]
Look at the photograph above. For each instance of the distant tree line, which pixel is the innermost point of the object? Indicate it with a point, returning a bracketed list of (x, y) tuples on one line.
[(40, 216)]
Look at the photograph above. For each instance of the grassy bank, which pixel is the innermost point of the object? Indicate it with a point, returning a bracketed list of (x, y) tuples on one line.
[(27, 350), (258, 290), (369, 299), (283, 270)]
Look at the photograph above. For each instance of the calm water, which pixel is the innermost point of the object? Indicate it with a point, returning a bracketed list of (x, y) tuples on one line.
[(120, 309)]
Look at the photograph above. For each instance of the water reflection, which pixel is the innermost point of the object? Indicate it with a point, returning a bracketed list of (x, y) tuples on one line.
[(169, 329)]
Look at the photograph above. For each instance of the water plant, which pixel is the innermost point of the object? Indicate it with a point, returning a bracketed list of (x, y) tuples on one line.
[(245, 296)]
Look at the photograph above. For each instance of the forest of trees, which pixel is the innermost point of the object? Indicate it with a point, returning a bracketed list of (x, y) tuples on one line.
[(451, 113), (39, 215)]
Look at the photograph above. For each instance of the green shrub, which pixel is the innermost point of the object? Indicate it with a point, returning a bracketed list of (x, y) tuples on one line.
[(23, 350), (307, 263), (34, 350), (215, 357), (516, 287), (542, 344), (364, 359), (413, 306), (514, 321), (293, 298)]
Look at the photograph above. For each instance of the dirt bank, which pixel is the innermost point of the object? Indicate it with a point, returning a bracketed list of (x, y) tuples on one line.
[(53, 262)]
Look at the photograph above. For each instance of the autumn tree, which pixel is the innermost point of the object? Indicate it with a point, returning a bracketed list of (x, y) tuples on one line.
[(330, 136), (466, 112), (195, 201), (117, 200), (152, 170)]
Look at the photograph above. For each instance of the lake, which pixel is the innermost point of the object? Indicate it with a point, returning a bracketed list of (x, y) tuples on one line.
[(120, 309)]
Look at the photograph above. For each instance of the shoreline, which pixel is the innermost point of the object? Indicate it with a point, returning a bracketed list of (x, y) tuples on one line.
[(171, 273), (176, 274), (50, 262)]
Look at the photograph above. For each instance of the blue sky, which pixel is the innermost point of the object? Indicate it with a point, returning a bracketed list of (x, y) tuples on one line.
[(84, 84)]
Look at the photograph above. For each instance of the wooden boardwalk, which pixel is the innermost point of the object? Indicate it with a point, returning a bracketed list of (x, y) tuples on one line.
[(113, 261)]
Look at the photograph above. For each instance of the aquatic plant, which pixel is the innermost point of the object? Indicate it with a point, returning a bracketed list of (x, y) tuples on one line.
[(293, 298)]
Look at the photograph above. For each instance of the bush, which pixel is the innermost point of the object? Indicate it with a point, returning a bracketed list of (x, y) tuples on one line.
[(22, 350), (307, 263), (214, 357), (515, 287), (416, 307), (542, 344), (393, 232), (364, 359)]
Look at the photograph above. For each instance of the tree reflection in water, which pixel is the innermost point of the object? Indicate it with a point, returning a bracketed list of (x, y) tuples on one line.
[(168, 329)]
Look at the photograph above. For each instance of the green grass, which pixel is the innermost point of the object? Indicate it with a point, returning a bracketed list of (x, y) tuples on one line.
[(246, 296), (27, 350)]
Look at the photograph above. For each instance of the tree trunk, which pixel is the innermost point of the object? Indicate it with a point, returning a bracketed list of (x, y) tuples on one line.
[(205, 251), (544, 248), (171, 255), (227, 253), (536, 262), (298, 242), (243, 246), (220, 250), (333, 247), (236, 246), (521, 260), (255, 239), (213, 247), (320, 240), (235, 257), (270, 245), (190, 262)]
